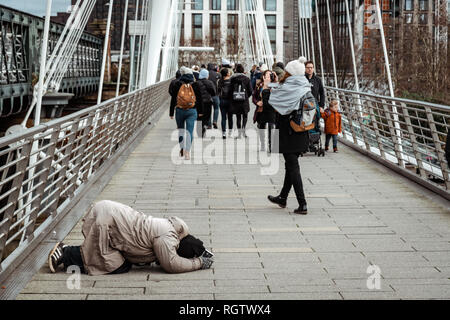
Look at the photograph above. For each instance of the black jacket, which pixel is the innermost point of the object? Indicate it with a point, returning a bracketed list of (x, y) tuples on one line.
[(317, 89), (175, 87), (285, 140), (207, 90), (214, 77), (240, 107), (268, 115), (223, 89)]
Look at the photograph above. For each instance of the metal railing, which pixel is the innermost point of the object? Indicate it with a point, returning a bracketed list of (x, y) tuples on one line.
[(410, 134), (42, 168)]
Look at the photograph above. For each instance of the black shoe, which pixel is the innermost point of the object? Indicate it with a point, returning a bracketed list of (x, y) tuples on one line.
[(303, 209), (278, 200), (55, 256), (215, 125), (224, 136)]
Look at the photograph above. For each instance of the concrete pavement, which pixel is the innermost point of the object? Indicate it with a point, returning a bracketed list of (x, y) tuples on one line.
[(360, 215)]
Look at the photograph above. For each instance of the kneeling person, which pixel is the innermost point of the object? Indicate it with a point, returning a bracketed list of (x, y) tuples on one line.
[(117, 236)]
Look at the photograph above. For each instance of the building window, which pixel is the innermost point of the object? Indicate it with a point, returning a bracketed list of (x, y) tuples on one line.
[(214, 30), (232, 5), (423, 5), (270, 5), (197, 5), (423, 18), (216, 4), (197, 22), (409, 5), (271, 21), (408, 18), (182, 31), (232, 33)]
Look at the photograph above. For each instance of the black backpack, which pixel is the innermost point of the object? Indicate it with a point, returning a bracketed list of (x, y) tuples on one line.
[(225, 86)]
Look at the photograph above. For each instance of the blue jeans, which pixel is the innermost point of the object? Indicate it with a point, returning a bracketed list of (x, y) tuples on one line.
[(335, 140), (188, 118), (216, 104)]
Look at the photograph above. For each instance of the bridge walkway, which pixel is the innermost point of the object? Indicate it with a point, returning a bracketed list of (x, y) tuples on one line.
[(360, 214)]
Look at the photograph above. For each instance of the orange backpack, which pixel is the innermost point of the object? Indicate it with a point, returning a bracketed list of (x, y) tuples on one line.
[(186, 97)]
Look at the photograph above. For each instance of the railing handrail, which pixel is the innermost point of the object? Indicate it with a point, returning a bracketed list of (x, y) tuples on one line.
[(407, 101), (55, 122)]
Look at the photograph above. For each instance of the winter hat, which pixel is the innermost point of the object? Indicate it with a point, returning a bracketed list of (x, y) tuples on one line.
[(185, 70), (225, 62), (264, 67), (296, 67), (303, 59), (204, 74)]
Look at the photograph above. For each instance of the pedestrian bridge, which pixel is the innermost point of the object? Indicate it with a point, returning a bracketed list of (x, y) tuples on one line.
[(377, 228), (379, 215)]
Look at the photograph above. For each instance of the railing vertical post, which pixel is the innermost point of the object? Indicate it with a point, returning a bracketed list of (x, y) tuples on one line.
[(16, 186), (79, 154), (36, 204), (393, 131), (377, 131), (437, 146), (361, 123), (349, 115), (413, 139)]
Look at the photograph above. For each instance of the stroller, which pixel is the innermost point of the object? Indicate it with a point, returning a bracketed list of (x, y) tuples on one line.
[(315, 141)]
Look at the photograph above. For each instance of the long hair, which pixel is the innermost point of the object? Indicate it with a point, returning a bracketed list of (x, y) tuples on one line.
[(286, 75)]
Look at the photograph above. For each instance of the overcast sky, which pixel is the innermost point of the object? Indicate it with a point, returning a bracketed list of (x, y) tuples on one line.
[(37, 7)]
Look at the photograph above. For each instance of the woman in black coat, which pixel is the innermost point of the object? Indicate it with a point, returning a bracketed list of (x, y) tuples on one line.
[(240, 108), (267, 116), (291, 144)]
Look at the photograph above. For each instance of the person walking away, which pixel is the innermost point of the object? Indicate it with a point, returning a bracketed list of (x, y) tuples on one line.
[(241, 90), (285, 100), (196, 72), (267, 117), (173, 95), (223, 88), (317, 89), (333, 124), (214, 77), (207, 91), (188, 108), (116, 236)]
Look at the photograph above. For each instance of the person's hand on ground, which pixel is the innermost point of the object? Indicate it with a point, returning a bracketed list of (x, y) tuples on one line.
[(206, 262)]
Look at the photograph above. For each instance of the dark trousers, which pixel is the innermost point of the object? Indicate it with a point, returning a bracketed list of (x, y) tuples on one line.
[(328, 138), (72, 257), (224, 105), (242, 120), (293, 178), (206, 119)]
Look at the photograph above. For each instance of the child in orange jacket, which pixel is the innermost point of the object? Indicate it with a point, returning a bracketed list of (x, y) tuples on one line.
[(333, 124)]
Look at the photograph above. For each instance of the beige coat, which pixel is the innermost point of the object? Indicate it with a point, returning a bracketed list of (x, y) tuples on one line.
[(114, 232)]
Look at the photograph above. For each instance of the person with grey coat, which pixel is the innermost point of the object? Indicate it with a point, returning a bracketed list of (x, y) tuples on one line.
[(286, 99), (117, 236)]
